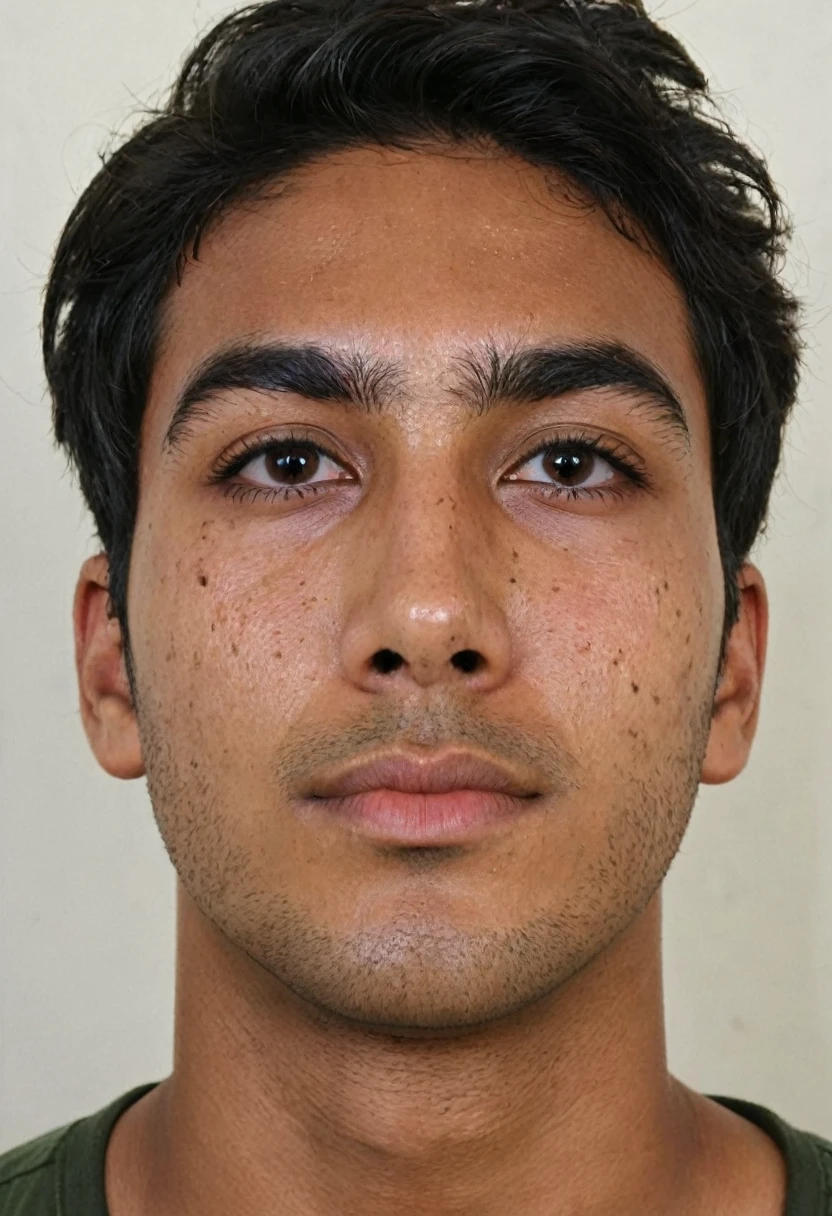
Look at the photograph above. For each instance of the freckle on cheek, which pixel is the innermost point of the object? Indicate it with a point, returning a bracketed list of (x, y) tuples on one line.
[(202, 580), (634, 687)]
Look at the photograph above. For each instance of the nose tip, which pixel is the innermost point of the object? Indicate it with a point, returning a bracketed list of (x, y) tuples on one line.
[(461, 642), (426, 606)]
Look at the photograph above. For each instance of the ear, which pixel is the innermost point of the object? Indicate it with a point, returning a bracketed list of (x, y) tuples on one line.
[(737, 701), (106, 702)]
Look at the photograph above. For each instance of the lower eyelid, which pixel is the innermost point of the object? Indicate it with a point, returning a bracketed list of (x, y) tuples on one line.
[(243, 491)]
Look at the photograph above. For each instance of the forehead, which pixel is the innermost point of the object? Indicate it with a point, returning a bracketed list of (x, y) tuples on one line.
[(417, 254)]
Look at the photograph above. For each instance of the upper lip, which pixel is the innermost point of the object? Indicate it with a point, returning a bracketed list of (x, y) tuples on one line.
[(410, 774)]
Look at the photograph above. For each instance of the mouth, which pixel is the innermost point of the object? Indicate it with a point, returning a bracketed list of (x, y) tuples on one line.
[(404, 799)]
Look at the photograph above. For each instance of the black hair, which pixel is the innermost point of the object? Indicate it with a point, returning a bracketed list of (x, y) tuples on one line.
[(593, 89)]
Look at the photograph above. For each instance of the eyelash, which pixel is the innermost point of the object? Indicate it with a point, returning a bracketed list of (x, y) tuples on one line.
[(226, 469), (615, 454)]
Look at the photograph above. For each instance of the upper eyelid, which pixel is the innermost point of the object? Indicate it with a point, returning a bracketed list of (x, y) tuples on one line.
[(604, 446), (228, 465)]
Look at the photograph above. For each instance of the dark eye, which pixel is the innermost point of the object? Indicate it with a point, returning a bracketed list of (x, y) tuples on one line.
[(572, 467), (291, 463)]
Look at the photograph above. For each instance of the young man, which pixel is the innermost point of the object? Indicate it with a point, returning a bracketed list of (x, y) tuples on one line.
[(425, 368)]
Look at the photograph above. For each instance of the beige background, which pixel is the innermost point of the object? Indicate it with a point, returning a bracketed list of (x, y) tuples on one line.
[(86, 946)]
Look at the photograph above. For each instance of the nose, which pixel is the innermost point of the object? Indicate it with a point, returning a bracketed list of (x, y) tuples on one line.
[(425, 608)]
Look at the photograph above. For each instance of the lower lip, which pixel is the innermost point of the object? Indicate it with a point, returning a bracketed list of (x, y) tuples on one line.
[(398, 818)]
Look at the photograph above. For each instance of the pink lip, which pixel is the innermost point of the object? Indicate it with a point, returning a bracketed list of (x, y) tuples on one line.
[(437, 801)]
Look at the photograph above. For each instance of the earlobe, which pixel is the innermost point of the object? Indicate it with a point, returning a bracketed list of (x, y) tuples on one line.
[(105, 698), (736, 704)]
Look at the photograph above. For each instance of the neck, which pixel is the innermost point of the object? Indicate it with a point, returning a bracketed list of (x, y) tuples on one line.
[(568, 1105)]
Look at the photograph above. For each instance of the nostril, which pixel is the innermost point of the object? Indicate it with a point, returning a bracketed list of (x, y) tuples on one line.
[(468, 661), (385, 661)]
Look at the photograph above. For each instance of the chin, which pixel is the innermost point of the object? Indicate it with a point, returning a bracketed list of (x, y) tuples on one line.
[(424, 979)]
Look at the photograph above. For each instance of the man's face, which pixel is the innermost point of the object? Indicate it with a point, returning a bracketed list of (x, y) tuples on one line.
[(425, 580)]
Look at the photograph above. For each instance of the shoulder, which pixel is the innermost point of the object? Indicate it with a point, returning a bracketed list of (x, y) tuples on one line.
[(61, 1173), (28, 1175), (808, 1159), (823, 1152)]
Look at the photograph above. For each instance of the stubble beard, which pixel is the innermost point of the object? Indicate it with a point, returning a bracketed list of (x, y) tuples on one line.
[(416, 971)]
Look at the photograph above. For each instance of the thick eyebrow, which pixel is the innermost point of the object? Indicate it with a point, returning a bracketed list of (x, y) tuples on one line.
[(488, 377), (349, 378), (530, 375)]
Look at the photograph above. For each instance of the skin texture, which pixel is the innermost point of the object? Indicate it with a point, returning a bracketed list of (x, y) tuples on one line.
[(477, 1028)]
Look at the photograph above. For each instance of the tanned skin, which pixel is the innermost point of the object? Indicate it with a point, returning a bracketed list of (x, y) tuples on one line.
[(361, 1028)]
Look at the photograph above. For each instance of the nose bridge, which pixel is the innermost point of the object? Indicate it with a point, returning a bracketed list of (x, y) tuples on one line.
[(428, 600), (432, 546)]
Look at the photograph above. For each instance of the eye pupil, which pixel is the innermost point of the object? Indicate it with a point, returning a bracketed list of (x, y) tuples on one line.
[(568, 466), (292, 464)]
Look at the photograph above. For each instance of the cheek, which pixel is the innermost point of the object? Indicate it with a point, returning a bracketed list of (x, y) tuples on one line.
[(225, 626), (623, 650)]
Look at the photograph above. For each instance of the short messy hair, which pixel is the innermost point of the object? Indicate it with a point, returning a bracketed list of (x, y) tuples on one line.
[(596, 91)]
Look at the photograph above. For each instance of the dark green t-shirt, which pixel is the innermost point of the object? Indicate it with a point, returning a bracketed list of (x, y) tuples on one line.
[(62, 1173)]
